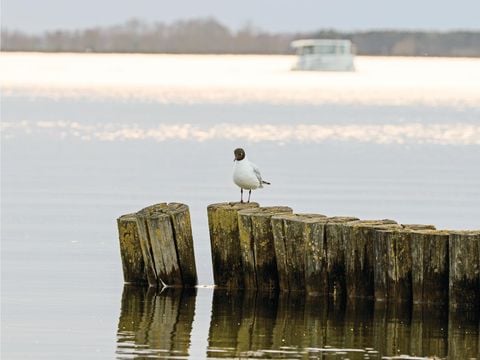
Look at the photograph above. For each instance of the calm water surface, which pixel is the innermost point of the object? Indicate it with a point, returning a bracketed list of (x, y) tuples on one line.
[(88, 138)]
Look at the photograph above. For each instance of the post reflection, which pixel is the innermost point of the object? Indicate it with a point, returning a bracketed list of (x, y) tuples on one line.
[(247, 324), (258, 325), (155, 323)]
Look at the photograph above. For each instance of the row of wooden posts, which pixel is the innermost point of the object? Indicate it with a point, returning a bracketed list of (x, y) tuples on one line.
[(270, 248)]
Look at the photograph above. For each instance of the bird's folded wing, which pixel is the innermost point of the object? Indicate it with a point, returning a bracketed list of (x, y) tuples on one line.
[(257, 172)]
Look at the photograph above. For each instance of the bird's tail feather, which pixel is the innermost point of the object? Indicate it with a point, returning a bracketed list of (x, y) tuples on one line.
[(266, 182)]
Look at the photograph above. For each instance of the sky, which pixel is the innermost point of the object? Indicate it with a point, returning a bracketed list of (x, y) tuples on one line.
[(35, 16)]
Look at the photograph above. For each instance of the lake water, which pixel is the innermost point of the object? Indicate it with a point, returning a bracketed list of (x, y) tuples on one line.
[(86, 138)]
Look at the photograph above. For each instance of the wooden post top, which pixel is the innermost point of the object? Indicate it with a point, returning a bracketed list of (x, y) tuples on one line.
[(465, 232), (127, 217), (342, 219), (305, 218), (430, 232), (419, 227), (372, 223), (162, 208), (149, 210), (233, 205), (174, 208), (266, 211)]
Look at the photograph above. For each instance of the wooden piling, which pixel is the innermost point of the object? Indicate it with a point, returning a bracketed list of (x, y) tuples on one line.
[(278, 233), (146, 247), (429, 249), (257, 246), (182, 229), (336, 255), (164, 244), (225, 243), (299, 245), (393, 261), (359, 256), (393, 264), (130, 251), (464, 275), (164, 252), (247, 249), (316, 277)]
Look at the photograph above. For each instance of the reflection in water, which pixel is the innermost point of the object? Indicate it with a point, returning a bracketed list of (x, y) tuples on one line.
[(268, 325), (155, 324)]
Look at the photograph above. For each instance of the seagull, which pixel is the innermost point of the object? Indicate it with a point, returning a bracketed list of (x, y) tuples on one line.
[(246, 174)]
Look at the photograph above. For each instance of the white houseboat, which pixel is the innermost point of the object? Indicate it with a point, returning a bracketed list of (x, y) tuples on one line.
[(324, 54)]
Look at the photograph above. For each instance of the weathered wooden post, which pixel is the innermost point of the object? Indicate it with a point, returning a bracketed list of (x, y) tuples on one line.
[(360, 256), (146, 247), (182, 230), (278, 232), (225, 243), (429, 250), (393, 264), (257, 246), (130, 251), (464, 276), (164, 252), (157, 241), (336, 254), (299, 243), (166, 236), (393, 261), (316, 277), (247, 249)]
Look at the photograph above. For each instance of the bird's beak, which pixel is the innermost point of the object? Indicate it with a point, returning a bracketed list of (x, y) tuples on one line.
[(234, 159)]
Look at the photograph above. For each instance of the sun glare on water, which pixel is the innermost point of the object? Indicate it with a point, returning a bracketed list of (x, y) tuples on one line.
[(239, 79)]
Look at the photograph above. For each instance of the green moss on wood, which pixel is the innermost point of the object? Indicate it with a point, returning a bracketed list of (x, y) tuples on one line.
[(130, 251), (225, 243)]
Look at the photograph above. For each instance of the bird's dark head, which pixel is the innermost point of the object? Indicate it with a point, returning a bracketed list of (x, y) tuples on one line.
[(239, 154)]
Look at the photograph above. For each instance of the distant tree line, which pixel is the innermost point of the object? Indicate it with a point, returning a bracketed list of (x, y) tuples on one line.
[(208, 36)]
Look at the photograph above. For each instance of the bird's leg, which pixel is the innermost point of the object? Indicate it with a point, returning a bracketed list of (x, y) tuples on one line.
[(241, 195), (249, 193)]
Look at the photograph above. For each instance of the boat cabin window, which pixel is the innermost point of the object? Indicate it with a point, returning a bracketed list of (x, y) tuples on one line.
[(326, 49), (306, 50)]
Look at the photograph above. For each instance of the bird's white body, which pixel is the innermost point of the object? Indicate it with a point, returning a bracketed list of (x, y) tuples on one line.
[(246, 175)]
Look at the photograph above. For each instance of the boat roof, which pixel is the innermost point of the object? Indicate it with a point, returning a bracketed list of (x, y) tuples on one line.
[(318, 42)]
